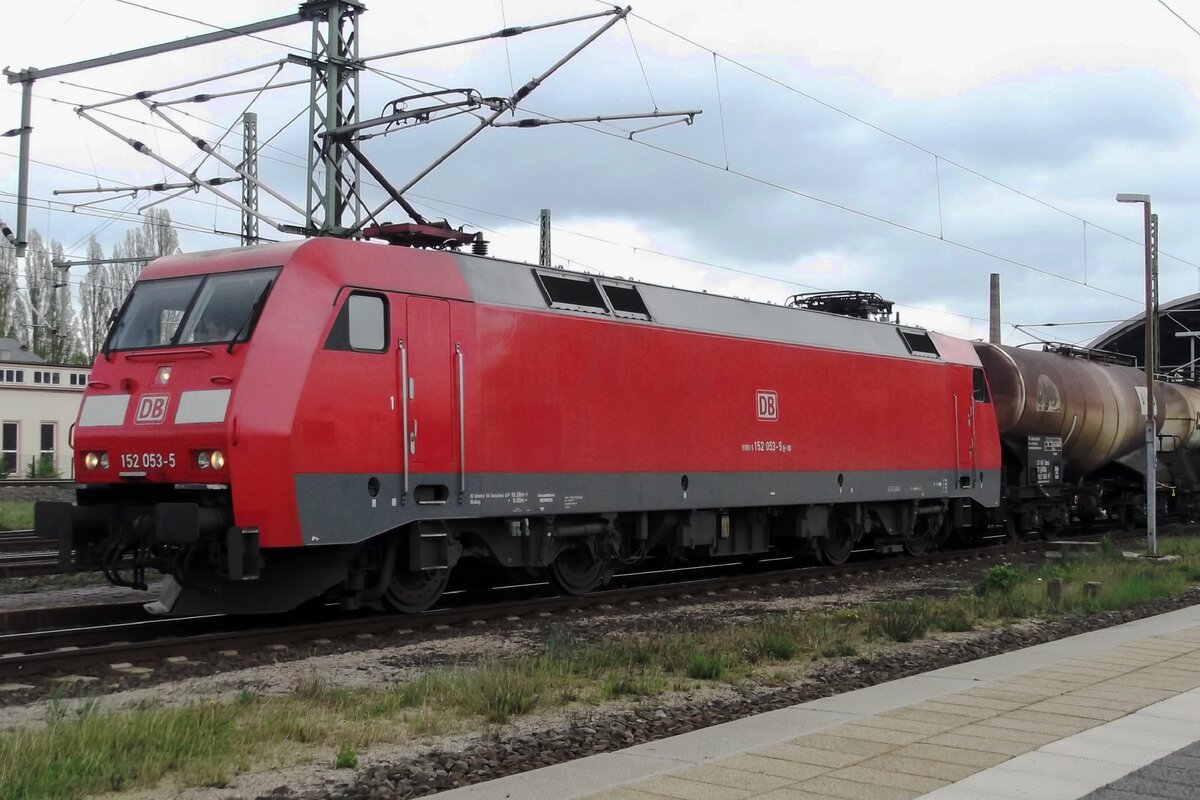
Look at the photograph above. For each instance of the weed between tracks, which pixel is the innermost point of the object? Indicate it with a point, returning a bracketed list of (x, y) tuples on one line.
[(16, 515), (84, 749)]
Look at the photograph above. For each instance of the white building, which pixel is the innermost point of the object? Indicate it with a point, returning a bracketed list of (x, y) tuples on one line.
[(38, 405)]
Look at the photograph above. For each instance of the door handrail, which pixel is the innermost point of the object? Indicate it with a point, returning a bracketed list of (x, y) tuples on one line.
[(404, 410), (462, 425)]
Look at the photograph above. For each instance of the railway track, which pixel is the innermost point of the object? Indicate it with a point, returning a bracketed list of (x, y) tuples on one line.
[(22, 554), (26, 655), (24, 541), (23, 483)]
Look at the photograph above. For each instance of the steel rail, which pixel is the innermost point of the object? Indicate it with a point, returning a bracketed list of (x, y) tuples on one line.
[(24, 620), (26, 483), (27, 569)]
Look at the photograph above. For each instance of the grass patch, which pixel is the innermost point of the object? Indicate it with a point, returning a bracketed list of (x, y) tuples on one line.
[(16, 515), (955, 615), (839, 650), (1000, 579), (346, 758), (704, 667), (900, 621), (632, 685), (114, 752), (773, 644)]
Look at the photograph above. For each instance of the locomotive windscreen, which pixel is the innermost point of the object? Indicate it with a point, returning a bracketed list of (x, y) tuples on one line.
[(192, 310)]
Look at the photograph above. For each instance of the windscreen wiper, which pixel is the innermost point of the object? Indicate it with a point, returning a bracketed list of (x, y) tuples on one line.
[(255, 310), (112, 317)]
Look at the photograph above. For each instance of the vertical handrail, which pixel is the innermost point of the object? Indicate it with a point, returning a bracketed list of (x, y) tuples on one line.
[(973, 421), (404, 409), (957, 446), (462, 426)]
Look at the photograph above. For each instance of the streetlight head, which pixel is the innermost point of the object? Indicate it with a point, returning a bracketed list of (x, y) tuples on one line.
[(1133, 198)]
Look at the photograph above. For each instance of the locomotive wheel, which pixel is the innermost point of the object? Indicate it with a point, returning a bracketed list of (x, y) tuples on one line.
[(922, 539), (577, 571), (411, 592), (834, 550), (918, 544)]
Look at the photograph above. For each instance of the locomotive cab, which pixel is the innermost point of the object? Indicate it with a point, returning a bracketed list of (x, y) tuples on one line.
[(154, 432)]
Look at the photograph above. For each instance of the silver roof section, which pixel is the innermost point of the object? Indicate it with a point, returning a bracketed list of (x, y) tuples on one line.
[(507, 283)]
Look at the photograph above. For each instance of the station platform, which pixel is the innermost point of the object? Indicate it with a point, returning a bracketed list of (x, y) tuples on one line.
[(1108, 715)]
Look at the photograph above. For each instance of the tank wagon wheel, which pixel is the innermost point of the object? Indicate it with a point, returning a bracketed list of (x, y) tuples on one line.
[(1047, 532), (1131, 517), (411, 592), (577, 571)]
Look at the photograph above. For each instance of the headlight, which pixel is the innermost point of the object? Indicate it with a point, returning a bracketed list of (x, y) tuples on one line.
[(91, 460), (210, 459), (104, 461)]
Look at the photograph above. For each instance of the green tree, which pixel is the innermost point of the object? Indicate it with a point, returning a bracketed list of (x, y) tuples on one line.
[(97, 299), (48, 301), (9, 308), (155, 238)]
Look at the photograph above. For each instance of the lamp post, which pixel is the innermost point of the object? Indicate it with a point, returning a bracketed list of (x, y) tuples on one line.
[(1151, 460)]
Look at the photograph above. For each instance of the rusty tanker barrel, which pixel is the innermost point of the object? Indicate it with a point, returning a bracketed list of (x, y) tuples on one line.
[(1097, 408), (1178, 417)]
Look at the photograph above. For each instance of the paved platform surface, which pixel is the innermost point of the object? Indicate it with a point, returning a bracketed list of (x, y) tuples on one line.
[(1107, 715)]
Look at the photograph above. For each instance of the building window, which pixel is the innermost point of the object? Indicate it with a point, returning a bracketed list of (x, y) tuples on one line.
[(8, 448), (79, 379), (12, 375), (56, 378), (46, 465)]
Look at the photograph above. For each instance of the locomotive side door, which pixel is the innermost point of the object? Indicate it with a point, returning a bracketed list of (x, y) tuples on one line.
[(427, 402)]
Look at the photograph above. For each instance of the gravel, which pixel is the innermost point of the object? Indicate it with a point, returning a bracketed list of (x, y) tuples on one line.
[(64, 493)]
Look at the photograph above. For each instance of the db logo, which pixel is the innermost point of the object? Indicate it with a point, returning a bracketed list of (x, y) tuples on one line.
[(768, 405), (151, 409)]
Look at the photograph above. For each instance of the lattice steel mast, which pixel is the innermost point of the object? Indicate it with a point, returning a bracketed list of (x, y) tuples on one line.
[(333, 183)]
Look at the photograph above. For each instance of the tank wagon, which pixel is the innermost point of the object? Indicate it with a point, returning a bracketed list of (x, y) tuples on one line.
[(1072, 426), (339, 419)]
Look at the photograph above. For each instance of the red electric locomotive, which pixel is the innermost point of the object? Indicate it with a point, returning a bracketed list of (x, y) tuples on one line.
[(338, 419)]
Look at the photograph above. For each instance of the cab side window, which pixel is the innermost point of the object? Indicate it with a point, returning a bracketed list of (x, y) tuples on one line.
[(361, 324), (979, 386)]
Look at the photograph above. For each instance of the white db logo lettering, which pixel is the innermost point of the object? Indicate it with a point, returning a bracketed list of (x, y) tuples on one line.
[(768, 405), (152, 409)]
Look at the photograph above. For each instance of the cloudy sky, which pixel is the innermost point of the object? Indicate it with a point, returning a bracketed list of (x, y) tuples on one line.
[(905, 148)]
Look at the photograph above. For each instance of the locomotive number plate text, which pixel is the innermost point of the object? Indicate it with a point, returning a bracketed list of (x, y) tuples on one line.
[(147, 460)]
